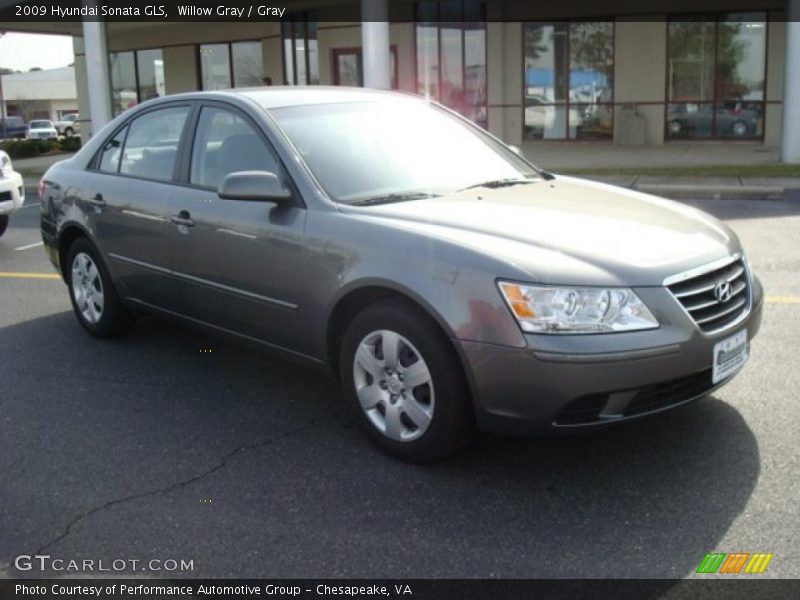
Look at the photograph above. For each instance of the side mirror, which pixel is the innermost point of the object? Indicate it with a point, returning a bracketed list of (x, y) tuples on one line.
[(256, 186)]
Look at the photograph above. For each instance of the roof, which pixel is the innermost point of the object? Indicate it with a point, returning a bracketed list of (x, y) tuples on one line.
[(48, 84), (61, 74), (279, 96)]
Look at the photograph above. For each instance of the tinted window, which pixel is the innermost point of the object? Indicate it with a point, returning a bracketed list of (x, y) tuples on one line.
[(226, 143), (40, 124), (109, 156), (152, 144)]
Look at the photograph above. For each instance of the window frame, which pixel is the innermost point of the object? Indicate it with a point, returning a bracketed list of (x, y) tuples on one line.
[(135, 71), (184, 166), (198, 49), (190, 143), (94, 164), (462, 28), (289, 23), (612, 104), (358, 51), (715, 101), (125, 128)]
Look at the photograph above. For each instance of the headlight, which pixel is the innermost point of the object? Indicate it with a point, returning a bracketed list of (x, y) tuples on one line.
[(551, 309)]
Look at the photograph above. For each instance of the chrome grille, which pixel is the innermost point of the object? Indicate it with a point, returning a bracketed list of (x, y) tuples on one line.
[(716, 297)]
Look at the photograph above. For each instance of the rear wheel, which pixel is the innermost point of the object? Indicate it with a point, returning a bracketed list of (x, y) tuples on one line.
[(739, 129), (94, 299), (3, 224), (674, 128), (404, 381)]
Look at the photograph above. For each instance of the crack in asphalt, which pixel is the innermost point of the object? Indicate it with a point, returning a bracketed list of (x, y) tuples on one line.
[(223, 462)]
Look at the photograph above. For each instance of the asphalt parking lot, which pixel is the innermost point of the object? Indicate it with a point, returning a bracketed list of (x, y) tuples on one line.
[(152, 447)]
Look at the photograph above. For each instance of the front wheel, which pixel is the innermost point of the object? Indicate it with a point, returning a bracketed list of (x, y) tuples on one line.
[(3, 224), (94, 299), (404, 381), (68, 132)]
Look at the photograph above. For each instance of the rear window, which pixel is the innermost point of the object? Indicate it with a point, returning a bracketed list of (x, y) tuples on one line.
[(40, 124), (151, 147)]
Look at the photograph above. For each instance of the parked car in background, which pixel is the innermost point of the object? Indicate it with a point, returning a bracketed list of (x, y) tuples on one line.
[(543, 119), (12, 190), (446, 281), (41, 129), (70, 125), (730, 120), (14, 127)]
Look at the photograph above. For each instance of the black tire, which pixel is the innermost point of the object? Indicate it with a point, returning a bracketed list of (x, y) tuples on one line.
[(451, 423), (3, 224), (114, 319), (68, 132)]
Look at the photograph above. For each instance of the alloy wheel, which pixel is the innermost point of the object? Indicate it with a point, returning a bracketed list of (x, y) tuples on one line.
[(87, 288), (394, 385)]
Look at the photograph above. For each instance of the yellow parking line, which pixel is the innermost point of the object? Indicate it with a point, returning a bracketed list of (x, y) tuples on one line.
[(783, 299), (13, 275)]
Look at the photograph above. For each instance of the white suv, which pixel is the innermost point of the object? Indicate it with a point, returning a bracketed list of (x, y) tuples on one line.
[(12, 190), (69, 125)]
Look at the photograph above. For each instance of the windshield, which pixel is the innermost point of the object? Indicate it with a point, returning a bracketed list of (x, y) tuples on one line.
[(40, 125), (396, 149)]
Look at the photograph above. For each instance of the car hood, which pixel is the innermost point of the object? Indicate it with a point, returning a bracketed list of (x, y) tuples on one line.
[(569, 230)]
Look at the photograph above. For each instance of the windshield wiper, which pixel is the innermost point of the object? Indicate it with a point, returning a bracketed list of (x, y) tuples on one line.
[(498, 183), (390, 198)]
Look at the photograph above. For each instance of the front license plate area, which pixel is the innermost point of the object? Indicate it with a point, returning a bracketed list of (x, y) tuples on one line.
[(730, 355)]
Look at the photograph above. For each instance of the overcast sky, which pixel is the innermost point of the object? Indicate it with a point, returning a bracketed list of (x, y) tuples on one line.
[(21, 51)]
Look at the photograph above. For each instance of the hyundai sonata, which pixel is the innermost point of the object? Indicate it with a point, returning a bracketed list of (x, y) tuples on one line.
[(447, 282)]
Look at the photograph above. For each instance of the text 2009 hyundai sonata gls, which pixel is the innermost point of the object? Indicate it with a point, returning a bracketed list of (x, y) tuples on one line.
[(444, 279)]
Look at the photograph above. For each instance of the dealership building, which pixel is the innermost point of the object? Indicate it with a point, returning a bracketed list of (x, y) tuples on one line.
[(618, 72)]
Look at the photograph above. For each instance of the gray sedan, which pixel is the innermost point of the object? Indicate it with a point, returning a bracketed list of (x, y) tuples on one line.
[(447, 282)]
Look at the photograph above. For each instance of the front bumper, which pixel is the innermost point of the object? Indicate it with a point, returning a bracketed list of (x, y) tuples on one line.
[(568, 382), (12, 193)]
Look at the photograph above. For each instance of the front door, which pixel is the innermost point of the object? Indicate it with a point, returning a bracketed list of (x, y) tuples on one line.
[(239, 264)]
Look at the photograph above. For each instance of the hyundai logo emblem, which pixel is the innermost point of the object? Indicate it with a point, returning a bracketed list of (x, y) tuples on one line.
[(722, 291)]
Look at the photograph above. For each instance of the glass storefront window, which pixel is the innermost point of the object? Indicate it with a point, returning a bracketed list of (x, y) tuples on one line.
[(300, 51), (123, 81), (150, 70), (716, 77), (569, 80), (451, 56), (215, 66), (348, 67), (248, 64)]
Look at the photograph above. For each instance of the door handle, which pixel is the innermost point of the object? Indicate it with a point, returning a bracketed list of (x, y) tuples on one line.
[(97, 200), (182, 218)]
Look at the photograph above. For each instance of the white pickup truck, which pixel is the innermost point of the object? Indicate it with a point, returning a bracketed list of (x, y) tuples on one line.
[(12, 190), (70, 125)]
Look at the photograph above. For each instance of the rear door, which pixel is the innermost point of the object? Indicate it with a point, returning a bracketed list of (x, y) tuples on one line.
[(128, 190), (239, 265)]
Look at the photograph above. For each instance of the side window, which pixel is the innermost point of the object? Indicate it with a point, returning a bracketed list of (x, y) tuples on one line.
[(225, 143), (109, 156), (152, 145)]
